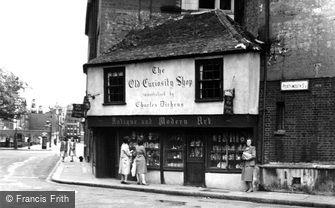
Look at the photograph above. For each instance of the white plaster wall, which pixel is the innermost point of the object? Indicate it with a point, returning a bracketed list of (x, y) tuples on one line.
[(225, 181), (174, 178), (153, 176), (241, 71), (254, 74)]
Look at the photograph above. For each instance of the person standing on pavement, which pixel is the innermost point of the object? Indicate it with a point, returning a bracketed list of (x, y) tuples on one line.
[(140, 160), (248, 157), (125, 159), (72, 148), (63, 149)]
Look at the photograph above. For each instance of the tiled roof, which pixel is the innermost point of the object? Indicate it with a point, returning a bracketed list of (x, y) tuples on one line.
[(192, 34)]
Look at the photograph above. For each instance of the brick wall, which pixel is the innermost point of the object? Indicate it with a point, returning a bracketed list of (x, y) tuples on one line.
[(309, 123), (305, 28), (118, 17)]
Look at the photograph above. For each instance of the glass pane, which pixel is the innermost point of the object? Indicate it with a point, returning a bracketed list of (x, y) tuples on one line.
[(116, 86), (151, 144), (225, 4), (174, 152), (207, 4), (196, 148), (226, 148), (218, 152)]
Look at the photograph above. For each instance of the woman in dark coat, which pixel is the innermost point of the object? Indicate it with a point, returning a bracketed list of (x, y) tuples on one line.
[(249, 156), (140, 160)]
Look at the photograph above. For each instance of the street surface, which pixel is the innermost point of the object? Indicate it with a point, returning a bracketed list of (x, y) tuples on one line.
[(28, 170)]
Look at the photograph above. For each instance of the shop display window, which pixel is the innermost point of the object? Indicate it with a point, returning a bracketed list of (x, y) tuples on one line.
[(174, 154), (151, 142), (225, 149), (196, 148)]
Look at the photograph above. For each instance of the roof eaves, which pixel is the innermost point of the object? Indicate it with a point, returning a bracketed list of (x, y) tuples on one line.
[(108, 63)]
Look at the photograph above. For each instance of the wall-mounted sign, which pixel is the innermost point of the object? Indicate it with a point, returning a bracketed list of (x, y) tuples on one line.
[(159, 88), (294, 85), (173, 121), (229, 101), (78, 110)]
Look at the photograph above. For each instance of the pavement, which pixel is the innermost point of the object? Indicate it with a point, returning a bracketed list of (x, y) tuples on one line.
[(80, 173)]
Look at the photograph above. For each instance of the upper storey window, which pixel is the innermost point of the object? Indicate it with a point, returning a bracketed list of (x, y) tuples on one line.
[(114, 85), (209, 80), (216, 4)]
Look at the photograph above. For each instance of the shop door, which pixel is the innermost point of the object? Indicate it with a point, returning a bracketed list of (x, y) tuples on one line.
[(195, 162)]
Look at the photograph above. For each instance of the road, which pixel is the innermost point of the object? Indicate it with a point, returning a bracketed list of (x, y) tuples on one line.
[(28, 170)]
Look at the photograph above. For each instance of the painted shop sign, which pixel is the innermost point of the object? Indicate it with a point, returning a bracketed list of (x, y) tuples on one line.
[(294, 85), (170, 121), (162, 121), (156, 88)]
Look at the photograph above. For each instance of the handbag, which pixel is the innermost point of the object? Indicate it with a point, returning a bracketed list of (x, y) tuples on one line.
[(133, 169)]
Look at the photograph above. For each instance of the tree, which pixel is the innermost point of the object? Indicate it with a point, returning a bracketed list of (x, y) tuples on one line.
[(12, 105)]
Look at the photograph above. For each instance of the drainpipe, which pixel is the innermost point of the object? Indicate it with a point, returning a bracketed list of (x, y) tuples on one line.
[(139, 11), (150, 9), (267, 48)]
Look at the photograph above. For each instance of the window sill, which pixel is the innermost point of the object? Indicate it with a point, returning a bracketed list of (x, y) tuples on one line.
[(114, 103), (218, 170), (208, 100), (280, 132), (153, 167)]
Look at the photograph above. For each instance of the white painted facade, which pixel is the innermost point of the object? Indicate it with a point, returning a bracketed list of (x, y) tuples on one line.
[(168, 87)]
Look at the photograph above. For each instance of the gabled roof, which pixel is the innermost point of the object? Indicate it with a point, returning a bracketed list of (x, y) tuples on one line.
[(203, 33)]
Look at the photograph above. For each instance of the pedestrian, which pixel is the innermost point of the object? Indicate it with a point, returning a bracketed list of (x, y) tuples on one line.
[(63, 149), (140, 160), (125, 159), (72, 148), (248, 157)]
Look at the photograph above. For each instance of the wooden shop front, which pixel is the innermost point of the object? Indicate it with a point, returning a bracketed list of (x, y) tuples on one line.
[(183, 149)]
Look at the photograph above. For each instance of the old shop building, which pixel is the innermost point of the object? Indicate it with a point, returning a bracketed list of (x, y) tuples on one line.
[(189, 87)]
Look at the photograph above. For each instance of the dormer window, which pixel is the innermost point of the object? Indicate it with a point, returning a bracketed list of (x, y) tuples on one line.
[(216, 4)]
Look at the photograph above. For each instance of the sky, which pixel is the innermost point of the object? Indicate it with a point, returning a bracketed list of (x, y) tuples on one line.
[(43, 42)]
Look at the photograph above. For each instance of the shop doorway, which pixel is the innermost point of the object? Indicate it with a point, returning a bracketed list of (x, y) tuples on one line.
[(195, 161), (106, 154)]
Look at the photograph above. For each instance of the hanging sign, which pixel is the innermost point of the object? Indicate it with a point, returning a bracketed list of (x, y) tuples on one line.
[(294, 85), (228, 101), (78, 110)]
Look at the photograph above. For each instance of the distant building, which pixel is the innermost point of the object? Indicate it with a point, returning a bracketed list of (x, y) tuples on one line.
[(33, 108), (72, 125)]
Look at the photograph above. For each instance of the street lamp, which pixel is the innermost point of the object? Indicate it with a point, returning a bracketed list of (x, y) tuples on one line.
[(49, 124)]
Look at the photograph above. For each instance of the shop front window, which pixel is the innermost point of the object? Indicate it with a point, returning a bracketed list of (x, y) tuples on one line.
[(225, 149), (174, 157), (151, 142)]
